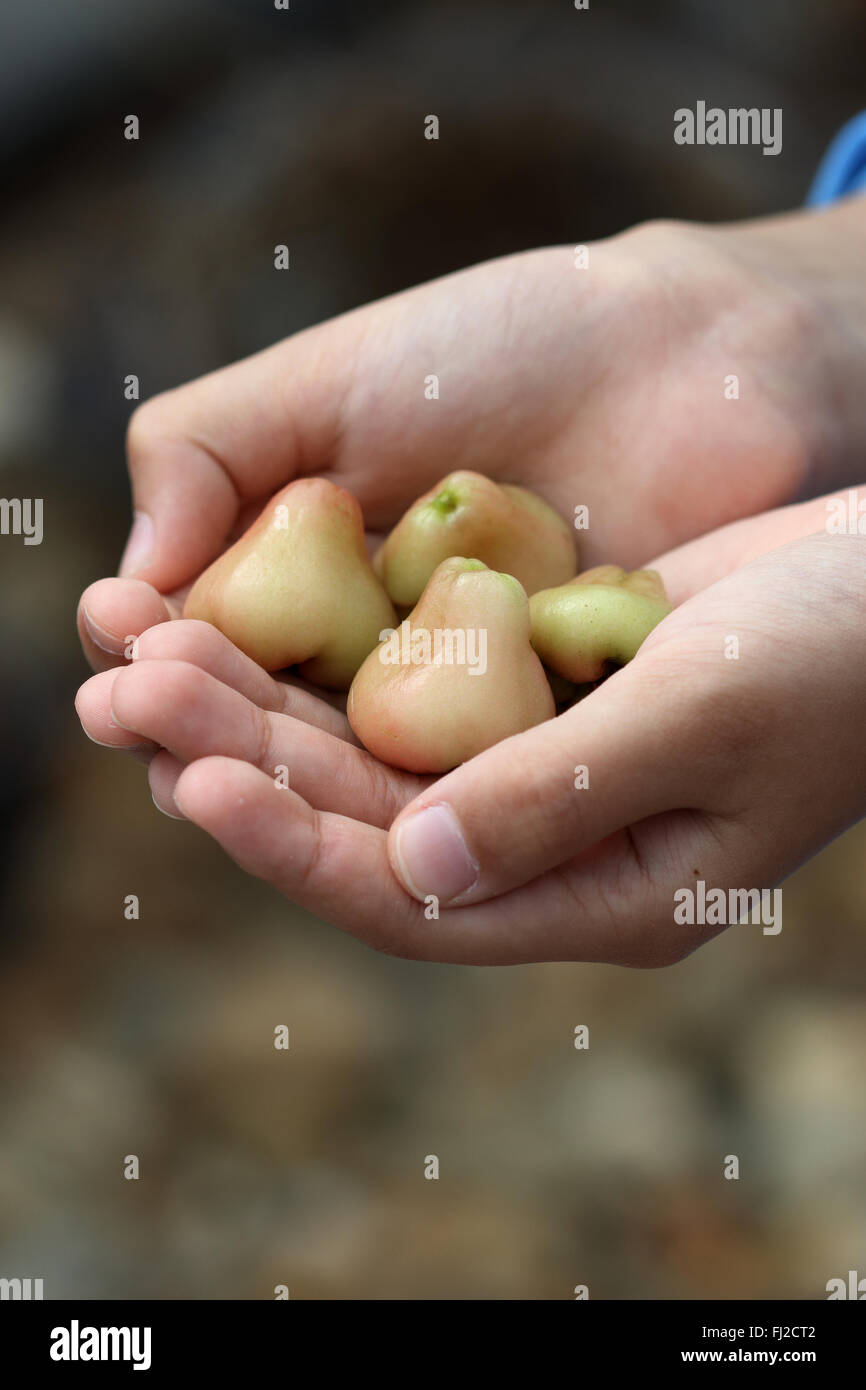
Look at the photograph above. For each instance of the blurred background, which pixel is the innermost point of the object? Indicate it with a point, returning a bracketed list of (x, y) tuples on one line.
[(155, 1037)]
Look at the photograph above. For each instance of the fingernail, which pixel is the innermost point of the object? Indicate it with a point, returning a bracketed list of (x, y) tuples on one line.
[(432, 858), (114, 722), (116, 747), (100, 638), (142, 750), (170, 814), (139, 547)]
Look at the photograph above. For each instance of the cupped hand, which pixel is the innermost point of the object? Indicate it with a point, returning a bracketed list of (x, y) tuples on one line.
[(606, 386), (726, 751)]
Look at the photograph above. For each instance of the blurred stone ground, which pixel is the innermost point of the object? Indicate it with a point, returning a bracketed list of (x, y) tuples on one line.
[(155, 1037)]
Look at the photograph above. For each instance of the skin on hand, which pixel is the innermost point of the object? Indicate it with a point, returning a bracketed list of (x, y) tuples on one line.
[(613, 398), (614, 401), (731, 771)]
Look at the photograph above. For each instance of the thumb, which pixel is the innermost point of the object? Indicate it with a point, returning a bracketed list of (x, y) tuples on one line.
[(202, 452), (537, 799)]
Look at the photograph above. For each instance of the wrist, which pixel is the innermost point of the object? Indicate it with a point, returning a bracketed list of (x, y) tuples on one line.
[(816, 261)]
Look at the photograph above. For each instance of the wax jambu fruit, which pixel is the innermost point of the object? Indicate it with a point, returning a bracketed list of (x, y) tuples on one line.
[(509, 529), (456, 677), (298, 588), (597, 621)]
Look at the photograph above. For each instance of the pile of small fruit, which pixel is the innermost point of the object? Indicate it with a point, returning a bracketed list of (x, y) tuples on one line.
[(471, 623)]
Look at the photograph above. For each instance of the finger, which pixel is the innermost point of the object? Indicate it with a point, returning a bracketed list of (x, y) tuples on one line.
[(93, 706), (331, 865), (203, 645), (186, 711), (312, 404), (199, 453), (162, 775), (701, 563), (624, 753), (338, 869), (112, 613)]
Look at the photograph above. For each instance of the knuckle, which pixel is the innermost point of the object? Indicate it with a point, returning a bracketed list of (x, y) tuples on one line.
[(656, 950), (309, 872), (263, 749), (180, 640), (396, 943), (147, 424), (380, 791)]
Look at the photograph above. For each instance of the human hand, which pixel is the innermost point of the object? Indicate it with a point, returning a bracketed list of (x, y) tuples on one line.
[(731, 771), (601, 386)]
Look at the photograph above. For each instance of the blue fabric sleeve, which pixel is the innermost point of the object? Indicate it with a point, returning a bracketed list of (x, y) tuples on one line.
[(843, 168)]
